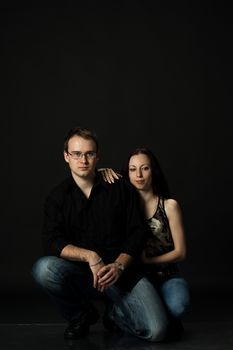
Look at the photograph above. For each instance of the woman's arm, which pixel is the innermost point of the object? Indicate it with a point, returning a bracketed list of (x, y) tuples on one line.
[(175, 220)]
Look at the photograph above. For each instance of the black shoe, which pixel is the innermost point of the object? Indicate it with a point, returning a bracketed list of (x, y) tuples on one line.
[(80, 328)]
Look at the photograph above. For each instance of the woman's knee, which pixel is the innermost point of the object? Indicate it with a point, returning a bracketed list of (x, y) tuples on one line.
[(178, 308), (175, 295)]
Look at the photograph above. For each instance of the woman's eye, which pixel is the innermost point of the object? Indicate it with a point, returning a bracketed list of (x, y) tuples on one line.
[(132, 169)]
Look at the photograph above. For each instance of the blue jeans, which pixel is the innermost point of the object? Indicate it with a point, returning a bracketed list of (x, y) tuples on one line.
[(139, 312), (69, 284), (175, 295)]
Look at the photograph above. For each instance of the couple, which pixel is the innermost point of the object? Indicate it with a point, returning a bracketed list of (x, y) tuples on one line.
[(95, 237)]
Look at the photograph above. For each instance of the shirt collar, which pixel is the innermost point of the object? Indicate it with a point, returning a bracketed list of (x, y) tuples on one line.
[(99, 181)]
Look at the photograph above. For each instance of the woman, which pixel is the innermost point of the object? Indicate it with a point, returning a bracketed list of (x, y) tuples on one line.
[(166, 246)]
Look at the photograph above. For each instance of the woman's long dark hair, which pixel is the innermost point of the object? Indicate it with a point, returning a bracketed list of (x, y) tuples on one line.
[(159, 182)]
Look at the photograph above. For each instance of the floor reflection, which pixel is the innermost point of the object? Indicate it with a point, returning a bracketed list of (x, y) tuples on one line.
[(50, 337), (198, 335), (111, 342)]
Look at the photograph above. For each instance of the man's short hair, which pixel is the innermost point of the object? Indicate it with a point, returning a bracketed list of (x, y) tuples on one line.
[(82, 132)]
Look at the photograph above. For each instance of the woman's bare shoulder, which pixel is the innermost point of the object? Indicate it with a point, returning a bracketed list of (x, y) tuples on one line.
[(171, 205)]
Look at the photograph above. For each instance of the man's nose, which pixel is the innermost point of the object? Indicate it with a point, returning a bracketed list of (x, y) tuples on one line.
[(84, 158)]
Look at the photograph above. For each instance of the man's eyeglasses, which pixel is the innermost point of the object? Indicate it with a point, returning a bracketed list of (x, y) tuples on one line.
[(78, 155)]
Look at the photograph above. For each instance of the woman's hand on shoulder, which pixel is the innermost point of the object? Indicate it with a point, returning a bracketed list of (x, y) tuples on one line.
[(109, 175)]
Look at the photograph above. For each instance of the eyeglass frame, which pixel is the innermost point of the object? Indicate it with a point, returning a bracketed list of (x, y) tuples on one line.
[(79, 155)]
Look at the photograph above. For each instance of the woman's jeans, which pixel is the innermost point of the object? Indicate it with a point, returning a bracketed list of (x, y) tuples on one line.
[(70, 285), (175, 294)]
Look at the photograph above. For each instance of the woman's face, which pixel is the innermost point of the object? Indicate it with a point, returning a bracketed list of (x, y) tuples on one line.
[(140, 174)]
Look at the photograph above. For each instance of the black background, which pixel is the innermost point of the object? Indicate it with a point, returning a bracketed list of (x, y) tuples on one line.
[(151, 73)]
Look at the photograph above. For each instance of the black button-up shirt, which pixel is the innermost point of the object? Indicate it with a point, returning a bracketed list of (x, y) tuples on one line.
[(109, 222)]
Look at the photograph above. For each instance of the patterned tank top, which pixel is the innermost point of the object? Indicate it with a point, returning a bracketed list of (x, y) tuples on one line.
[(160, 241)]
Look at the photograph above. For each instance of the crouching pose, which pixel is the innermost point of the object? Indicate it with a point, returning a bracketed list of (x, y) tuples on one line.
[(166, 245), (93, 236)]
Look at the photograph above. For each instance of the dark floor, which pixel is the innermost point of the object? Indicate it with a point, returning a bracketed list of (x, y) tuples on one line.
[(31, 322)]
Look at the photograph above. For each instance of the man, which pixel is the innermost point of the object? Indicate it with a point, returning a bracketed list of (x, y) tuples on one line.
[(93, 235)]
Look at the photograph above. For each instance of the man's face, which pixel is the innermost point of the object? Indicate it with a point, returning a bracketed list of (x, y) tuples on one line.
[(81, 157)]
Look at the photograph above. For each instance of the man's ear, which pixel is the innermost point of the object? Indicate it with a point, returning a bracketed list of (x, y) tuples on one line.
[(66, 157)]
